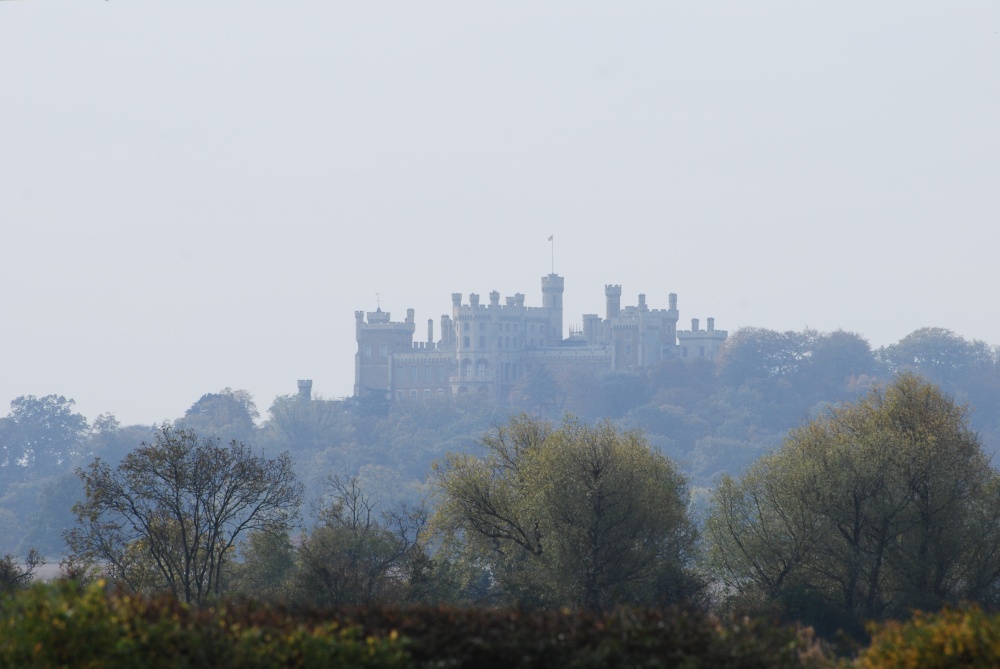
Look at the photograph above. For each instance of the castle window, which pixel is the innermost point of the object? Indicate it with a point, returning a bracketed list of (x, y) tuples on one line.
[(399, 394), (684, 351), (628, 349), (482, 326), (413, 374), (499, 342), (515, 342), (428, 374), (701, 351), (465, 326), (383, 350), (441, 373), (466, 369), (465, 341), (482, 341), (481, 370), (368, 350), (413, 394), (400, 374)]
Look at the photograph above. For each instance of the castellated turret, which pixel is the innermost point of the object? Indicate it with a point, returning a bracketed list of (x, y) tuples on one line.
[(612, 300), (552, 300), (305, 389)]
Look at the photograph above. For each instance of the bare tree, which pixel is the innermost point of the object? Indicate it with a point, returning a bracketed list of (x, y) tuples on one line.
[(169, 516)]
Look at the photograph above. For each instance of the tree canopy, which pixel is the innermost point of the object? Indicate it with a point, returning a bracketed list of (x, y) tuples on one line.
[(867, 511), (169, 515), (574, 515)]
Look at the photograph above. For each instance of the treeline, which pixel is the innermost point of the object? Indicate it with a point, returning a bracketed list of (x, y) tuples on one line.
[(712, 417), (366, 477)]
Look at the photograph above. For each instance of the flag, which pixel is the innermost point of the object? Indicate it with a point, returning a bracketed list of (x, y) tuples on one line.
[(550, 237)]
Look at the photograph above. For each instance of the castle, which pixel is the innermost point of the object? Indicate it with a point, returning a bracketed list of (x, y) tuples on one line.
[(488, 348)]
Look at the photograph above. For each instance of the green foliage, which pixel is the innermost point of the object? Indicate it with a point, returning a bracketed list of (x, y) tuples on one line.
[(951, 638), (169, 516), (41, 435), (579, 515), (265, 568), (228, 415), (867, 511), (502, 639), (356, 555), (16, 576), (65, 625)]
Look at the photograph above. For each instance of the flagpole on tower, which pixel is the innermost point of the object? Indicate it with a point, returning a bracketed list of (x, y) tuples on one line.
[(553, 245)]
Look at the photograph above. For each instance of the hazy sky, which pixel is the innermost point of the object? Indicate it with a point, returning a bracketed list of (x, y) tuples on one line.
[(199, 194)]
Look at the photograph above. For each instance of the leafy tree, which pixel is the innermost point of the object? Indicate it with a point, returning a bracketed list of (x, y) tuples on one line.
[(111, 441), (52, 514), (228, 414), (539, 392), (308, 424), (356, 556), (265, 567), (869, 510), (15, 575), (938, 354), (41, 434), (834, 358), (758, 353), (170, 514), (578, 515)]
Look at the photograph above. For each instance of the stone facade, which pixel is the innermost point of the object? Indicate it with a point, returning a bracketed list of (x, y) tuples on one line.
[(487, 348)]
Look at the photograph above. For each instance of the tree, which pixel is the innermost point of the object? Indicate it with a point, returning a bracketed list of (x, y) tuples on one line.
[(833, 359), (358, 557), (41, 434), (227, 414), (939, 354), (758, 353), (15, 576), (577, 515), (170, 514), (872, 509)]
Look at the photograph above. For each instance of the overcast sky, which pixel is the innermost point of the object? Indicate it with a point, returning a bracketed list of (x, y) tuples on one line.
[(197, 194)]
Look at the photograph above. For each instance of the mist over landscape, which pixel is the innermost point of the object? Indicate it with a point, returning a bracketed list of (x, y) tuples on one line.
[(562, 307)]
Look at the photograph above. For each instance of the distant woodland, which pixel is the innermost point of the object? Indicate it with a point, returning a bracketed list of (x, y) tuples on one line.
[(388, 473)]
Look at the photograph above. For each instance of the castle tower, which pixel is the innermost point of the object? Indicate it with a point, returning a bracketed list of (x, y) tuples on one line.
[(378, 340), (552, 300), (305, 389), (613, 300)]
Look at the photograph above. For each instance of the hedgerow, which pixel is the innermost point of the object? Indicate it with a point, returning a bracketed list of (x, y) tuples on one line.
[(66, 625)]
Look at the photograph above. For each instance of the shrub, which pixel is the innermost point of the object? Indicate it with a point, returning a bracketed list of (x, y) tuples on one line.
[(951, 638)]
